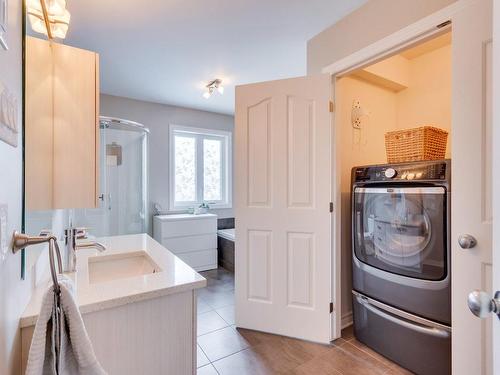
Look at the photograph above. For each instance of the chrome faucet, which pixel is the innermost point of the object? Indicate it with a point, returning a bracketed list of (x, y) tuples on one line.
[(71, 235)]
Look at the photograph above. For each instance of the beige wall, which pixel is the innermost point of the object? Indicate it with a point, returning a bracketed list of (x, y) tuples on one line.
[(14, 293), (359, 147), (366, 145), (427, 100), (369, 23)]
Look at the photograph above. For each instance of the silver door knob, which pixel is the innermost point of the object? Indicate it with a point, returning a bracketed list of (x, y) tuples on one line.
[(481, 304), (466, 241)]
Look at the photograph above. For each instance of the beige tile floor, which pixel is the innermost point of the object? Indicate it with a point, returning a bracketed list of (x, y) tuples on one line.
[(225, 350)]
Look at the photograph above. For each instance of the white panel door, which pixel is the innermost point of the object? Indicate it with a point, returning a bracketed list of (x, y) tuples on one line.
[(283, 225), (472, 184)]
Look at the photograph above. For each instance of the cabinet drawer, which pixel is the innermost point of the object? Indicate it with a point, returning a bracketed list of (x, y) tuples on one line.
[(188, 228), (189, 244), (200, 260)]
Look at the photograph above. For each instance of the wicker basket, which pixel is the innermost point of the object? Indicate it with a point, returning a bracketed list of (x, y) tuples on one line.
[(424, 143)]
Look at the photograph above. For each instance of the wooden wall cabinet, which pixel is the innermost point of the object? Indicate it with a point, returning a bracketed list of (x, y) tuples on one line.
[(61, 126)]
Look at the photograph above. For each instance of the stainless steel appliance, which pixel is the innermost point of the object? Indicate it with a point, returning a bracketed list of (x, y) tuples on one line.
[(401, 263)]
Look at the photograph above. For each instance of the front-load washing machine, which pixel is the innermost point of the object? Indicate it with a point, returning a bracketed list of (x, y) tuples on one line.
[(401, 263)]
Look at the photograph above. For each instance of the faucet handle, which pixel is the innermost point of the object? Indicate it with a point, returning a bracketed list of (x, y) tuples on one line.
[(81, 233), (78, 233)]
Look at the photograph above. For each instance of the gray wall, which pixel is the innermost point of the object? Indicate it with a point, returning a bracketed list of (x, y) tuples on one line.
[(157, 118), (367, 24)]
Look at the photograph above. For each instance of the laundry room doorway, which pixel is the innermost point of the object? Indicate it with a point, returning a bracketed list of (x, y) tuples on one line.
[(470, 151), (279, 175)]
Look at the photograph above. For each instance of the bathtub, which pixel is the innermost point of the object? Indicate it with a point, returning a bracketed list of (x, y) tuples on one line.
[(225, 248), (228, 234)]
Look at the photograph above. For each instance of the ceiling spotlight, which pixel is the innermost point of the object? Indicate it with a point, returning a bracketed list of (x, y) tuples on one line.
[(49, 17), (212, 86)]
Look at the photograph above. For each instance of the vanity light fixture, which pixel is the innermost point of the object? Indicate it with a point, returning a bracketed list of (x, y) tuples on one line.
[(212, 86), (49, 17)]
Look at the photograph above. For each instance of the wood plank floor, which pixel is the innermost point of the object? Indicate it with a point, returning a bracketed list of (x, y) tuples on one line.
[(226, 350)]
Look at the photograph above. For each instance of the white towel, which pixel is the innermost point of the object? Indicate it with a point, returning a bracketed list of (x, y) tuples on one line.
[(60, 344)]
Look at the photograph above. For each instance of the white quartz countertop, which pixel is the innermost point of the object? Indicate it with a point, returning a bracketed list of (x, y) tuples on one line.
[(175, 276), (180, 217)]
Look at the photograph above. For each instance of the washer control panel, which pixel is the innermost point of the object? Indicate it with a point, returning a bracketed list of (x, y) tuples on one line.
[(403, 172), (390, 173)]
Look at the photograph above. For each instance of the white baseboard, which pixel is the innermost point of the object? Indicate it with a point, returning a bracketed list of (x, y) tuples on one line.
[(346, 320)]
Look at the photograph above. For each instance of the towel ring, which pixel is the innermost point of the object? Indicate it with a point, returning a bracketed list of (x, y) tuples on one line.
[(53, 245), (21, 241)]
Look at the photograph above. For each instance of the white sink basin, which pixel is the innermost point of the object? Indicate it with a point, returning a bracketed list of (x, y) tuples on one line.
[(120, 266)]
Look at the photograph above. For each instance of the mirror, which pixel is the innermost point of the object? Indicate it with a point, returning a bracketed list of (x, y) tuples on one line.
[(61, 123)]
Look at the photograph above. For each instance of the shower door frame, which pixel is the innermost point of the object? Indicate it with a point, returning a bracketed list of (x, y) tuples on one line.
[(111, 123)]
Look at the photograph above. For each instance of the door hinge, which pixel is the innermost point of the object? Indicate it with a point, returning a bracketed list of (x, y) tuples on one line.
[(331, 106), (331, 307), (444, 24), (331, 206)]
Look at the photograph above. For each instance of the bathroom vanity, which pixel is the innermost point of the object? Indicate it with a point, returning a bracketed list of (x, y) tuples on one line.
[(138, 303)]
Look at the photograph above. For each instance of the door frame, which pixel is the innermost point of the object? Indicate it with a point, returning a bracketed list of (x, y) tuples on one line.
[(496, 177), (415, 33)]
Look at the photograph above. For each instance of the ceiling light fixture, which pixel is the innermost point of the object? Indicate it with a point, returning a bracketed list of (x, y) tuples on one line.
[(212, 86), (49, 17)]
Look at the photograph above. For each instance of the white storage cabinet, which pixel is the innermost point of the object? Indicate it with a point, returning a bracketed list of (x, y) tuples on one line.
[(193, 238)]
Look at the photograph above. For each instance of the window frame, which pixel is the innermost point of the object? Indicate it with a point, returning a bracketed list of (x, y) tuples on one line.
[(226, 165)]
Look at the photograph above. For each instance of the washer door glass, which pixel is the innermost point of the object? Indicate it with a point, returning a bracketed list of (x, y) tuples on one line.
[(402, 230)]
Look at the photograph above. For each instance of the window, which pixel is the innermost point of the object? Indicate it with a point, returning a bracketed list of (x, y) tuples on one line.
[(200, 167)]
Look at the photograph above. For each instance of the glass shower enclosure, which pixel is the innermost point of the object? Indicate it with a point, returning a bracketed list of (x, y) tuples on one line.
[(123, 199)]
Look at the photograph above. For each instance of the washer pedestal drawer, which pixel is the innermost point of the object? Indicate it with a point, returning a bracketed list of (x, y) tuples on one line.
[(420, 345)]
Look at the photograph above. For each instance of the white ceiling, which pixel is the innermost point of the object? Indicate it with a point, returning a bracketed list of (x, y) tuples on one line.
[(165, 51)]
